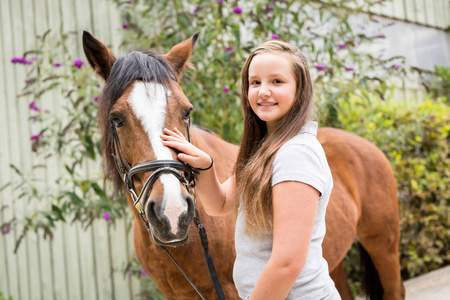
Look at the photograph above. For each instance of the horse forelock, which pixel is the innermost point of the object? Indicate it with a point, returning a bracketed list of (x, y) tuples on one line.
[(146, 66)]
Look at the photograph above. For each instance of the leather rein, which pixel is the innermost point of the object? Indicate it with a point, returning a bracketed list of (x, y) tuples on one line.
[(160, 167)]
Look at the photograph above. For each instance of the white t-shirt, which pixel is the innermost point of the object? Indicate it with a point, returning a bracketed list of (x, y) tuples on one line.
[(300, 159)]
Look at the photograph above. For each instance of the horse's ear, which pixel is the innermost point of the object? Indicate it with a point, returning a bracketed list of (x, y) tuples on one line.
[(98, 55), (180, 54)]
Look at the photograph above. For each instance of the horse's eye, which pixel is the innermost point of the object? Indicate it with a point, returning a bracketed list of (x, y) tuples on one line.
[(116, 121), (188, 114)]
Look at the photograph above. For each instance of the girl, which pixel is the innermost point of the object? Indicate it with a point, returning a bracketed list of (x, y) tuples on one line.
[(281, 184)]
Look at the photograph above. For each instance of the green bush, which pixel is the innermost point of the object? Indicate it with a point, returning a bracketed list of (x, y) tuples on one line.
[(415, 137)]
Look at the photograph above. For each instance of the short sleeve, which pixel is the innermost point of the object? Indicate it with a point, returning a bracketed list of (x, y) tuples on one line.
[(300, 163)]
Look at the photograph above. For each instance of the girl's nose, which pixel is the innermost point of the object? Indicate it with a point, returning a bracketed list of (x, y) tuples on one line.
[(264, 92)]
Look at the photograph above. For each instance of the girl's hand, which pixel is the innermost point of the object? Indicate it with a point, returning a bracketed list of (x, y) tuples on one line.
[(189, 154)]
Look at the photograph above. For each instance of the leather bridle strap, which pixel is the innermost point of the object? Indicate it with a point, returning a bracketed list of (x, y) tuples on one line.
[(188, 180)]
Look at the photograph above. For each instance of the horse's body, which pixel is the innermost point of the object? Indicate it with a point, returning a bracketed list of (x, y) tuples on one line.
[(363, 203)]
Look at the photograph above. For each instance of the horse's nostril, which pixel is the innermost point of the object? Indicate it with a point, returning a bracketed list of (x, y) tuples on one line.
[(153, 210)]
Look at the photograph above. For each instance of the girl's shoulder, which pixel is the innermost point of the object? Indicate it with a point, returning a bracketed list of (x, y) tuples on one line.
[(306, 137)]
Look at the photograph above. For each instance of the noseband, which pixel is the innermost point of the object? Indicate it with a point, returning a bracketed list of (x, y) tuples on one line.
[(159, 167)]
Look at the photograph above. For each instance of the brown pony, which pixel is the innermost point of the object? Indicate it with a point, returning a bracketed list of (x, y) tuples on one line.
[(142, 96)]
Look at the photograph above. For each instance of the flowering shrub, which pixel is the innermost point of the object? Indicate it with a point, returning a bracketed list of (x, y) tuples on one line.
[(70, 135), (416, 139), (229, 30)]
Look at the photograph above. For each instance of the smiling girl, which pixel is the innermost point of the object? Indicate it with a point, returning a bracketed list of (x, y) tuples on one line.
[(281, 184)]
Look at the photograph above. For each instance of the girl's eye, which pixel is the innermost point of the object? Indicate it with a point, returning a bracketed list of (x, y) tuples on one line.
[(255, 82), (277, 81)]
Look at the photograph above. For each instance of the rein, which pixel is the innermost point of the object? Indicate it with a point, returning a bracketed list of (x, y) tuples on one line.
[(187, 179)]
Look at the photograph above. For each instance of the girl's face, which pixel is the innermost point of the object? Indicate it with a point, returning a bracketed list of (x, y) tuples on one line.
[(272, 87)]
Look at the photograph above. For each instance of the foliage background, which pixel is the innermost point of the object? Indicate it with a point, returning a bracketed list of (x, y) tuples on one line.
[(352, 92)]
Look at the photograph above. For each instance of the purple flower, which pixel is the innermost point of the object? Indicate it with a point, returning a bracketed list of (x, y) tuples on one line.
[(268, 9), (361, 120), (21, 60), (129, 275), (57, 64), (198, 8), (382, 97), (219, 1), (95, 98), (237, 10), (381, 36), (144, 273), (395, 66), (431, 117), (35, 137), (125, 26), (349, 69), (269, 17), (6, 230), (226, 89), (33, 106), (78, 63), (106, 216), (30, 81), (320, 67), (343, 46), (185, 79), (275, 36)]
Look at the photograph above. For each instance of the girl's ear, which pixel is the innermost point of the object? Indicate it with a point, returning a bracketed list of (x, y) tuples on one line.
[(98, 55), (180, 54)]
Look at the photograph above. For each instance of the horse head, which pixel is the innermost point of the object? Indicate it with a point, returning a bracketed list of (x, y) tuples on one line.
[(141, 96)]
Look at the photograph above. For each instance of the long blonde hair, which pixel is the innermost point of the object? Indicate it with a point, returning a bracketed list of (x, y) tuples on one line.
[(254, 166)]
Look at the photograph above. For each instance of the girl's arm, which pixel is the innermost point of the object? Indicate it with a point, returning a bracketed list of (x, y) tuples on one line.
[(294, 212), (216, 197)]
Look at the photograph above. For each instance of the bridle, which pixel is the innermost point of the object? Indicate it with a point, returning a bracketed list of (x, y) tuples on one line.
[(159, 167)]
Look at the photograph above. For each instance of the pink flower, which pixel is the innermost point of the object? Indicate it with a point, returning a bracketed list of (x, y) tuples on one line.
[(269, 17), (219, 1), (185, 79), (106, 216), (57, 64), (320, 67), (382, 97), (237, 10), (229, 48), (349, 69), (144, 273), (226, 89), (35, 137), (343, 46), (33, 106), (381, 36), (78, 63), (361, 120), (95, 98), (125, 26), (395, 66), (275, 36), (431, 117)]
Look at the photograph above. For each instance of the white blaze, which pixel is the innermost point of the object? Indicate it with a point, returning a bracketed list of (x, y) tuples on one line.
[(148, 101)]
